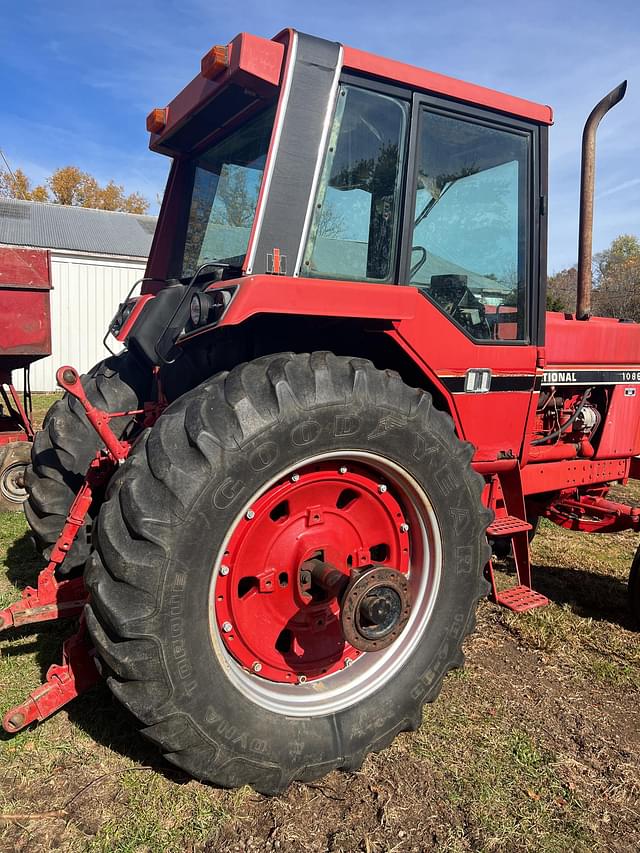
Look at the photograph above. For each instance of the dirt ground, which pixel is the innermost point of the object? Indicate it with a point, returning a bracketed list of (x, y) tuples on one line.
[(533, 746)]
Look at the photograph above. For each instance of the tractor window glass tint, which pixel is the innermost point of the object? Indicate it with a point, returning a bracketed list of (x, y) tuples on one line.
[(226, 184), (469, 252), (353, 233)]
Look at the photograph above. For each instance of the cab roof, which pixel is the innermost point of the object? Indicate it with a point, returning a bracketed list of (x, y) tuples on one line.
[(414, 77), (257, 65)]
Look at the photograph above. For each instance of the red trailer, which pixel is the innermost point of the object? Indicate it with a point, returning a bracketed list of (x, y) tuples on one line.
[(25, 337)]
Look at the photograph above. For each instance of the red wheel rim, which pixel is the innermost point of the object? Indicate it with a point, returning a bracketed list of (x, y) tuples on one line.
[(274, 628)]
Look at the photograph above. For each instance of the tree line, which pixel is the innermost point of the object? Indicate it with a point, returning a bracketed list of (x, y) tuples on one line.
[(71, 186), (616, 282)]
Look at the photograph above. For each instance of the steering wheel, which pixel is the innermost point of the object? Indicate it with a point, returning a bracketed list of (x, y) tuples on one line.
[(415, 269)]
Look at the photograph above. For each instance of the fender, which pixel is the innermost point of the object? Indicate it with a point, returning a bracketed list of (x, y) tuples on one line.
[(439, 351), (429, 350), (384, 307), (271, 294), (296, 297)]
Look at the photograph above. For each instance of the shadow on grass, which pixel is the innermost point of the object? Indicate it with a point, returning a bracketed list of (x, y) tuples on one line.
[(591, 595), (95, 712), (23, 562), (106, 721)]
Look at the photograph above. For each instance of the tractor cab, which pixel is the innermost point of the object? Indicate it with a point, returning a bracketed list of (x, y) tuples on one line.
[(302, 158)]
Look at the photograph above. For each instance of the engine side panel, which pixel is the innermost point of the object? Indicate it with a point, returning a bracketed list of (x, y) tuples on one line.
[(599, 341)]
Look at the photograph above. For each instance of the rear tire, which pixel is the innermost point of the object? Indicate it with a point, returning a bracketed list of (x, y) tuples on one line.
[(173, 509), (65, 446)]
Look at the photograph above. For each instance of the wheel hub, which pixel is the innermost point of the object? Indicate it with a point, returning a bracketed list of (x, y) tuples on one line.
[(277, 616), (375, 608), (12, 485)]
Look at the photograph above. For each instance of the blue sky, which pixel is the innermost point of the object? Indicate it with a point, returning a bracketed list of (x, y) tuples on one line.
[(80, 77)]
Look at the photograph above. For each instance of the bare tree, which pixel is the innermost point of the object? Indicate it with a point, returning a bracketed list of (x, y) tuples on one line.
[(617, 278), (561, 290), (616, 282)]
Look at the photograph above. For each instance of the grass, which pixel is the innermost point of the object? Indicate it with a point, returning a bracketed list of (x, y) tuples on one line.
[(594, 628), (134, 802), (534, 746), (512, 793), (157, 819), (41, 404)]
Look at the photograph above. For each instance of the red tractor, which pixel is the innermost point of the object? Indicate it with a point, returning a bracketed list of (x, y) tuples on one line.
[(25, 337), (273, 509)]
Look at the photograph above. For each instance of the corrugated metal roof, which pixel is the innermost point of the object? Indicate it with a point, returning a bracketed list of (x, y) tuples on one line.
[(80, 229)]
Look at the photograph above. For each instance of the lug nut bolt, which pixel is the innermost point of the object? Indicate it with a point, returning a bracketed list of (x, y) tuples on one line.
[(224, 570), (250, 514), (226, 627), (302, 679), (343, 469), (382, 489), (347, 662), (256, 666), (295, 478), (404, 527)]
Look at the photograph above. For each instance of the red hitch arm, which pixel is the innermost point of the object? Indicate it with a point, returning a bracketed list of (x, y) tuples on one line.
[(53, 598), (76, 674), (67, 378)]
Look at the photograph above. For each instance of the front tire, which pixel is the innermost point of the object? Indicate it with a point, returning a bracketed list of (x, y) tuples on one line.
[(267, 445)]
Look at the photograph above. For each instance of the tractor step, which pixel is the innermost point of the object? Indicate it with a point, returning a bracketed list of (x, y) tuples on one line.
[(520, 599), (508, 525)]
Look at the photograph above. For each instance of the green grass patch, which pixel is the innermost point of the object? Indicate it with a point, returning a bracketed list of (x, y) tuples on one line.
[(156, 815), (588, 623), (509, 788), (41, 405)]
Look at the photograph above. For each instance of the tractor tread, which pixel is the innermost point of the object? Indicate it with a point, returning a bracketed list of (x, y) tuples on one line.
[(153, 493)]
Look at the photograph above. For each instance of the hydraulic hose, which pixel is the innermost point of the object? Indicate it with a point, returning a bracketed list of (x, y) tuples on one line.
[(565, 426)]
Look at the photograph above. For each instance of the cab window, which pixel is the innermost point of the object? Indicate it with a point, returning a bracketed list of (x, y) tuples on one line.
[(469, 250), (354, 230)]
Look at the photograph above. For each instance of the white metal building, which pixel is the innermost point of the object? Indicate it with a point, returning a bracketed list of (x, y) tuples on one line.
[(95, 257)]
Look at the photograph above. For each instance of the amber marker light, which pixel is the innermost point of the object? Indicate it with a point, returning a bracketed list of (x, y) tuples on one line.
[(215, 61), (157, 120)]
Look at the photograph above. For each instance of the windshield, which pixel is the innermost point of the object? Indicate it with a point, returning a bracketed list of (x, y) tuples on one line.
[(226, 184)]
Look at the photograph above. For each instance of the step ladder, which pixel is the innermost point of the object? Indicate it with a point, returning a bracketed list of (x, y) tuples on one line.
[(505, 493)]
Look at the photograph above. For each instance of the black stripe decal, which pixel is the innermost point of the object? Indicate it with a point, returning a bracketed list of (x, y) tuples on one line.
[(625, 376), (455, 384), (527, 382)]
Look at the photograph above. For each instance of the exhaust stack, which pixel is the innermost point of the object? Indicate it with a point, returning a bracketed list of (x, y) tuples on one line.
[(587, 183)]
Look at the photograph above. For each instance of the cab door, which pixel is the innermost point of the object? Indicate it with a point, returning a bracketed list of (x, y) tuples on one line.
[(470, 247)]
